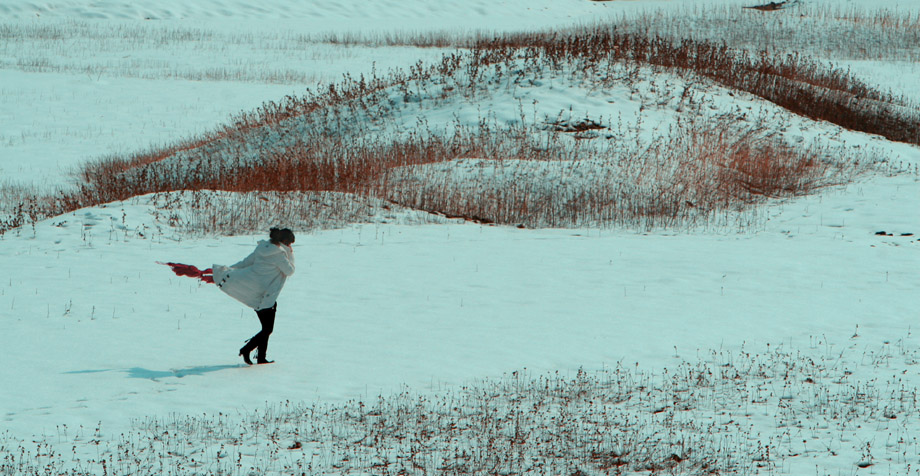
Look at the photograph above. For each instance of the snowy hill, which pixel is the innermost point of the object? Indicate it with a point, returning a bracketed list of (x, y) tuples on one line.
[(775, 337)]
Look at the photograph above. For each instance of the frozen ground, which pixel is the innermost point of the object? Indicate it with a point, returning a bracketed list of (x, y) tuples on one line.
[(97, 333), (100, 334)]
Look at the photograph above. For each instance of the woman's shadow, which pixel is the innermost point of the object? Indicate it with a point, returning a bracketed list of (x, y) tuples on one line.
[(156, 375)]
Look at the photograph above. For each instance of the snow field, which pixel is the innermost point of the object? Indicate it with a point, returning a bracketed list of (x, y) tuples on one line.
[(690, 419), (438, 308), (787, 348)]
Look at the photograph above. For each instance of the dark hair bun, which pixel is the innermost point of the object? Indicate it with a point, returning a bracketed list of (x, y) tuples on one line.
[(278, 235)]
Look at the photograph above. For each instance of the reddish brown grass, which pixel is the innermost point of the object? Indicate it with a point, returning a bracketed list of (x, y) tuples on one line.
[(332, 152)]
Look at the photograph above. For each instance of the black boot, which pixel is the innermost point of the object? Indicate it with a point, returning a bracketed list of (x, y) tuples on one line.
[(245, 353)]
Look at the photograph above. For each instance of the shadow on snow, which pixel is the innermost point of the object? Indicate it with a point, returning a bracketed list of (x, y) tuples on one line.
[(155, 375)]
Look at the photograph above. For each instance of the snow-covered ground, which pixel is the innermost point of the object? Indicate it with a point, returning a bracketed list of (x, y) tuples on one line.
[(98, 334)]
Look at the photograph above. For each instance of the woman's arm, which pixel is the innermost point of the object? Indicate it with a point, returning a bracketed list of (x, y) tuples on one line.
[(285, 260)]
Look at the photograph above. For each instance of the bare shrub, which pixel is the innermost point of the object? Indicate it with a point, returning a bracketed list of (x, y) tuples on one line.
[(792, 81), (837, 32), (701, 169), (342, 138), (209, 213), (23, 206)]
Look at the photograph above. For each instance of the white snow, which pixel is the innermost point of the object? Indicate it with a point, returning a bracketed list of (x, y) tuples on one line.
[(96, 333)]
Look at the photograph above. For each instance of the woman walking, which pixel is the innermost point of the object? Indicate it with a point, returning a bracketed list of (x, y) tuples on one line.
[(256, 281)]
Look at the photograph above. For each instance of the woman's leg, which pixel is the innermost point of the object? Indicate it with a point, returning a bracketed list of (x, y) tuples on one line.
[(260, 340), (267, 318)]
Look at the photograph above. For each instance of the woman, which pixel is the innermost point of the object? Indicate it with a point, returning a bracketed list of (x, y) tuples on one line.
[(256, 282)]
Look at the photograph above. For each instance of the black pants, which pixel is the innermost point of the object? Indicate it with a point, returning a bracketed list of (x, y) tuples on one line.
[(260, 340)]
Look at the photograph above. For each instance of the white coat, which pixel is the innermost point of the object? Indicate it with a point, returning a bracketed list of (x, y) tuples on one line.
[(257, 280)]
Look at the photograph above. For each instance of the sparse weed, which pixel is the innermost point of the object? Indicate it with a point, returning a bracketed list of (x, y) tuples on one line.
[(330, 141), (208, 213), (348, 137), (22, 206), (777, 411), (832, 32)]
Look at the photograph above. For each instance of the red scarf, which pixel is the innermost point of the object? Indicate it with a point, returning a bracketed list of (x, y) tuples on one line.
[(191, 271)]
